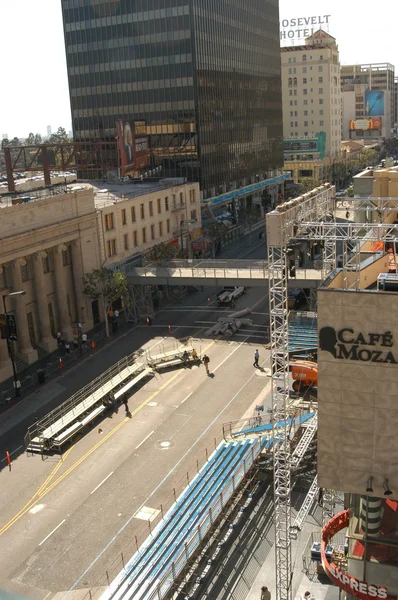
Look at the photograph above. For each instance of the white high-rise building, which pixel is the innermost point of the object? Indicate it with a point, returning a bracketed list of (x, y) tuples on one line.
[(311, 96), (49, 131)]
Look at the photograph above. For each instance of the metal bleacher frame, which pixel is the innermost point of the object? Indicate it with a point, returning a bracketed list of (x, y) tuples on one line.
[(65, 421), (154, 569)]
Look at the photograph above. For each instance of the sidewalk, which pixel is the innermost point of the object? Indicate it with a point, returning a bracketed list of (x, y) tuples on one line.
[(51, 364)]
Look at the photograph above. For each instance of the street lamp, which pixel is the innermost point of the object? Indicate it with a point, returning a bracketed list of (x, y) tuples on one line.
[(9, 341), (188, 222)]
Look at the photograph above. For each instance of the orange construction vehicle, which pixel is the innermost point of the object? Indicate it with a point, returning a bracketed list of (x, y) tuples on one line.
[(304, 374)]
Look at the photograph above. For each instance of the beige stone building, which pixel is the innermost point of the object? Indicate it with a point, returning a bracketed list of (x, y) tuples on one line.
[(311, 93), (133, 218), (46, 245)]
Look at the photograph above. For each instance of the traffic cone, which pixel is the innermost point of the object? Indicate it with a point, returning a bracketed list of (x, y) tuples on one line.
[(61, 364), (169, 328), (92, 345)]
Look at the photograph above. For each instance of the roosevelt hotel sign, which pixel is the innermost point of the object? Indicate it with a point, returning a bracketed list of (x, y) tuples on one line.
[(302, 27)]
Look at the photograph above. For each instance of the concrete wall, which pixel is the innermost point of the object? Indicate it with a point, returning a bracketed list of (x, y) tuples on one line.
[(358, 410)]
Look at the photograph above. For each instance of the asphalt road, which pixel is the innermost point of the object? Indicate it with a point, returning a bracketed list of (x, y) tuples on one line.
[(64, 523)]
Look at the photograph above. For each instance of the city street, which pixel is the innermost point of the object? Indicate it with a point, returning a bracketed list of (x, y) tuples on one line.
[(66, 520)]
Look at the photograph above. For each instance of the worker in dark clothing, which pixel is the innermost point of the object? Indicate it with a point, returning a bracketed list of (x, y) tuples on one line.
[(206, 361), (125, 402)]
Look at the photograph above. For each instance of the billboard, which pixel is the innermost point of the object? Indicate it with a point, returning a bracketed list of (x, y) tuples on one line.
[(374, 103), (364, 124), (133, 147), (315, 144), (357, 390)]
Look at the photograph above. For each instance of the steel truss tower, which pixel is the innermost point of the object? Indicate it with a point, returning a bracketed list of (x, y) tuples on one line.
[(310, 217)]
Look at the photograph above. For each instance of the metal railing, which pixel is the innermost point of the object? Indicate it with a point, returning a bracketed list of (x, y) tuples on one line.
[(66, 407), (228, 269), (188, 549)]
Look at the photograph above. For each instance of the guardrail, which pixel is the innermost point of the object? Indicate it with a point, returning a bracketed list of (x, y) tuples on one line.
[(36, 430)]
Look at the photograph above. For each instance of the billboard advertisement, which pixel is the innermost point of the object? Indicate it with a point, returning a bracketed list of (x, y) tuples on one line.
[(133, 147), (364, 124), (357, 390), (313, 144), (374, 103)]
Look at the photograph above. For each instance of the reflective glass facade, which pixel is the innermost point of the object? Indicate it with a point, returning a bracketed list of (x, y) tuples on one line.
[(204, 76)]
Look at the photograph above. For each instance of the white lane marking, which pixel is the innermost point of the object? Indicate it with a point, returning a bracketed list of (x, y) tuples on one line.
[(189, 395), (230, 354), (103, 481), (123, 527), (36, 509), (11, 453), (53, 531), (145, 439)]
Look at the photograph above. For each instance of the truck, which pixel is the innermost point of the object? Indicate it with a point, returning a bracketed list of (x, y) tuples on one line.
[(229, 294)]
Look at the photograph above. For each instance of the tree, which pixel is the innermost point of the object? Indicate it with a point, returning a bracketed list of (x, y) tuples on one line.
[(15, 142), (59, 136), (216, 233), (38, 139), (306, 184), (248, 217), (30, 140), (106, 286), (163, 251)]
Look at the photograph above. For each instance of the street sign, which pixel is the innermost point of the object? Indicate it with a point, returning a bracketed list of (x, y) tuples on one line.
[(11, 328)]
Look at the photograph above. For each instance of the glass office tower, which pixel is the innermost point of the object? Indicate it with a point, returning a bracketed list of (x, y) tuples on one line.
[(202, 77)]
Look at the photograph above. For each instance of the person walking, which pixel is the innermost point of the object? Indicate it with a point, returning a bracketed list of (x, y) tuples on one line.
[(265, 593), (256, 358), (206, 361), (125, 401)]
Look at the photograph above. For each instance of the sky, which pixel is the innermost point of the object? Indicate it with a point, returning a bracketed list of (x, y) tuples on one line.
[(34, 87)]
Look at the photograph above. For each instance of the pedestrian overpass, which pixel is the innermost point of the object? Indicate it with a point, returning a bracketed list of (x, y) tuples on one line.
[(248, 273)]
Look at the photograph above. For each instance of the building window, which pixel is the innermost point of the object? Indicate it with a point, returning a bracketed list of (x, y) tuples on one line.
[(305, 123), (151, 208), (290, 70), (152, 232), (124, 220), (181, 198), (295, 113), (291, 102), (65, 257), (160, 229), (321, 123), (144, 235), (304, 69), (108, 221), (135, 240), (304, 80), (168, 225), (142, 211), (306, 113), (3, 279), (320, 79), (46, 264), (159, 203), (320, 100), (294, 92), (111, 247), (133, 217), (321, 57), (192, 196), (304, 57), (321, 112), (290, 92), (166, 203), (296, 124), (320, 68), (126, 241), (193, 215), (321, 90), (305, 91), (291, 113), (291, 124), (305, 102)]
